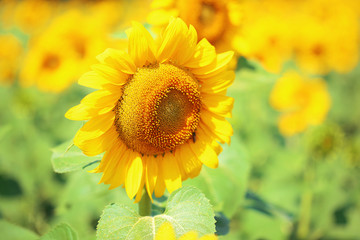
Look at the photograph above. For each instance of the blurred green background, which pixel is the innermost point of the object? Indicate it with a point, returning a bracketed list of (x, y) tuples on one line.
[(267, 186)]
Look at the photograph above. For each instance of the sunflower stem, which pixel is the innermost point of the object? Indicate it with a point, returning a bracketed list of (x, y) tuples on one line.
[(145, 205)]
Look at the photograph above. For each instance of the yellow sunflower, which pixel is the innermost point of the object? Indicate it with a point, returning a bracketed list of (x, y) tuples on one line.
[(160, 111), (10, 58), (63, 51), (304, 101), (166, 232), (215, 20)]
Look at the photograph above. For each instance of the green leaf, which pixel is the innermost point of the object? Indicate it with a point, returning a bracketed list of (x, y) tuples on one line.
[(67, 158), (4, 130), (187, 209), (225, 186), (13, 232), (60, 232)]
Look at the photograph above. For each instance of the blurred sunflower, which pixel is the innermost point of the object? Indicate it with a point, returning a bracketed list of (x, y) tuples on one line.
[(319, 35), (327, 38), (166, 232), (10, 55), (29, 16), (63, 51), (160, 111), (305, 102), (217, 21)]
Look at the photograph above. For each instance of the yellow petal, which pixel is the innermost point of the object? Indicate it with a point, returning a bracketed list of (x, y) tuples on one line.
[(134, 174), (186, 48), (218, 125), (160, 17), (285, 92), (141, 45), (106, 158), (117, 59), (188, 160), (203, 150), (209, 237), (218, 83), (95, 146), (116, 174), (218, 104), (192, 235), (94, 128), (210, 136), (165, 232), (92, 79), (204, 55), (171, 172), (151, 174), (84, 112), (160, 184), (101, 98), (217, 66), (141, 188), (110, 74), (161, 3), (174, 38), (292, 123)]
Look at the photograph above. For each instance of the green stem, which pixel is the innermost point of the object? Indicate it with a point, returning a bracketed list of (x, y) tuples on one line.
[(306, 201), (145, 205)]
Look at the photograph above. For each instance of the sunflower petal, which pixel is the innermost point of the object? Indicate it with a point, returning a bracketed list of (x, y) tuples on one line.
[(161, 17), (165, 232), (134, 174), (171, 173), (141, 188), (117, 59), (192, 235), (217, 66), (203, 150), (218, 104), (174, 38), (151, 174), (160, 184), (112, 75), (101, 98), (95, 146), (217, 125), (188, 161), (94, 128), (186, 47), (204, 55), (84, 112), (92, 79), (141, 45), (117, 173), (218, 83)]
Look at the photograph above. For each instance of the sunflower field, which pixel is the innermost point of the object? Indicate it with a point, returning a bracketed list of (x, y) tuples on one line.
[(179, 119)]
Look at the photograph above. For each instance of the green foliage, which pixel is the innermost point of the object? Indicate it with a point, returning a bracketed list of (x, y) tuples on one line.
[(67, 157), (13, 232), (60, 232), (187, 209)]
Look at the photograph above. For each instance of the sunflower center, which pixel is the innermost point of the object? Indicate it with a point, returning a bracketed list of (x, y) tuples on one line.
[(209, 17), (51, 62), (159, 109)]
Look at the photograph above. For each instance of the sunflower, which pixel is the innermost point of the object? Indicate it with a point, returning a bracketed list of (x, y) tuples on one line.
[(160, 111), (304, 101), (166, 232), (215, 20), (63, 51), (10, 58)]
